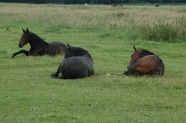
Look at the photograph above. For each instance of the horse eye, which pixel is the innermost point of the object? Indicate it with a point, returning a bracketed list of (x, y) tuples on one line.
[(23, 36)]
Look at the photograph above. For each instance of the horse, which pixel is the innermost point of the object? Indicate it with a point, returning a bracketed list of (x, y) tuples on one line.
[(38, 46), (144, 62), (157, 5), (77, 63)]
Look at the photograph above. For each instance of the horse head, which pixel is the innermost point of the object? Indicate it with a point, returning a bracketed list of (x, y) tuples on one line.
[(24, 38), (134, 57), (69, 52)]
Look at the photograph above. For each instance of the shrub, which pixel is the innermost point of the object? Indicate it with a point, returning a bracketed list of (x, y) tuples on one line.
[(164, 31)]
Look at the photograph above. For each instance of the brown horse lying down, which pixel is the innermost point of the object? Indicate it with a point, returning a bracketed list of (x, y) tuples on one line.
[(144, 62), (38, 46)]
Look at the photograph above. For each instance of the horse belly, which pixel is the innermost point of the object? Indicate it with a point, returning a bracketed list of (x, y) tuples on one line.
[(37, 52), (145, 68), (74, 70)]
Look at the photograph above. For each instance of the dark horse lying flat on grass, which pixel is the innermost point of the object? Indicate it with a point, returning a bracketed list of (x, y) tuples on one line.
[(77, 63), (144, 62), (38, 46)]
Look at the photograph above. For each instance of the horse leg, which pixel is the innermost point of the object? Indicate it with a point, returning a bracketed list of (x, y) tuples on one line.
[(21, 51), (136, 69), (130, 70), (55, 75), (40, 51), (74, 74), (132, 73), (67, 75)]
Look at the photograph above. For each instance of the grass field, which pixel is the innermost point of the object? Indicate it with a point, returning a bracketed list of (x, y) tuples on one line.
[(29, 94)]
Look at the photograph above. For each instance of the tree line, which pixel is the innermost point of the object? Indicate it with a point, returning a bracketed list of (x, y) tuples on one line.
[(94, 1)]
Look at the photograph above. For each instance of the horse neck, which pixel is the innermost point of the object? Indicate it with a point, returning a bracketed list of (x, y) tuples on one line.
[(35, 41), (79, 51), (145, 53)]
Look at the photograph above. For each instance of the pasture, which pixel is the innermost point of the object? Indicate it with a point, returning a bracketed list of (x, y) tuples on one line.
[(29, 94)]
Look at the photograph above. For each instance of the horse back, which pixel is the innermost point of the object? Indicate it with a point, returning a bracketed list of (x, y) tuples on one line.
[(147, 63), (56, 48)]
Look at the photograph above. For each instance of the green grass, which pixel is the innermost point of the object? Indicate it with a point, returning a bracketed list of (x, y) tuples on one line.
[(29, 94)]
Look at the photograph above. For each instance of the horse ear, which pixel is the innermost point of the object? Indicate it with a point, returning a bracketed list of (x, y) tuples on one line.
[(27, 31), (23, 30), (68, 45), (134, 48)]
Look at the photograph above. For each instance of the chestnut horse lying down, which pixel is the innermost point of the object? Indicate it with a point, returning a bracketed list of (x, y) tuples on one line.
[(144, 62)]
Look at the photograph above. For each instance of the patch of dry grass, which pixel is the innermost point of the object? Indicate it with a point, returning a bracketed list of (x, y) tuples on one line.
[(129, 21), (103, 16)]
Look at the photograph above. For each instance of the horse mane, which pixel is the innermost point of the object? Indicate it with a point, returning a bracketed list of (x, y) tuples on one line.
[(38, 39), (79, 51), (145, 52)]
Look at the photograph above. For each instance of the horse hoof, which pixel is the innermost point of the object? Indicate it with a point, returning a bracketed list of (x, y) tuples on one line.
[(53, 76), (126, 73), (13, 56)]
